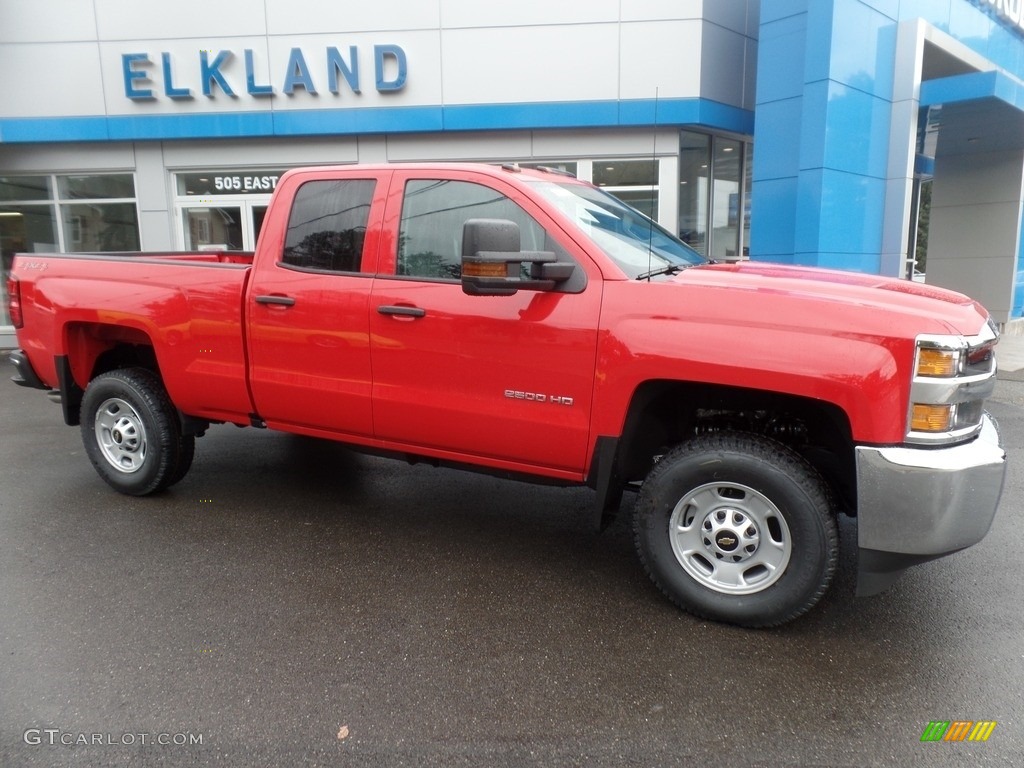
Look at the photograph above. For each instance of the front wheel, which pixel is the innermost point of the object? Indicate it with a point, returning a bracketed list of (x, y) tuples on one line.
[(131, 434), (737, 528)]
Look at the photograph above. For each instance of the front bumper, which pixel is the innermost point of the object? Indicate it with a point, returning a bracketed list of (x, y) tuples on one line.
[(917, 504)]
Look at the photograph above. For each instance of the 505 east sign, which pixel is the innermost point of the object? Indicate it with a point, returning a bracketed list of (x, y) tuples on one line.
[(223, 72)]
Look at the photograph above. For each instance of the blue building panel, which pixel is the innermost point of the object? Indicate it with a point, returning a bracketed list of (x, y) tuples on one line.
[(773, 203), (935, 12), (784, 116), (783, 43), (782, 9), (851, 262), (857, 138), (890, 8), (841, 213)]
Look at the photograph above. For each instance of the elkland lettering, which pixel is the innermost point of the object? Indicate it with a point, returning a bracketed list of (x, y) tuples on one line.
[(220, 73), (1011, 11)]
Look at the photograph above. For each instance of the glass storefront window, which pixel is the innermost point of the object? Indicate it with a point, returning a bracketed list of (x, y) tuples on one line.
[(634, 182), (100, 227), (625, 173), (694, 173), (558, 165), (714, 195), (725, 199), (73, 212), (24, 188), (23, 229), (748, 186), (97, 187)]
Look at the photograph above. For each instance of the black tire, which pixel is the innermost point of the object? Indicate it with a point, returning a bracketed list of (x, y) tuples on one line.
[(131, 431), (738, 528), (186, 452)]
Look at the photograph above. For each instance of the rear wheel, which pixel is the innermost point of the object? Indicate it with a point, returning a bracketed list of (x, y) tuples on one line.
[(131, 432), (186, 452), (737, 528)]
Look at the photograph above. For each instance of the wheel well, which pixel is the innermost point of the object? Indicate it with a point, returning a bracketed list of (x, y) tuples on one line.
[(123, 355), (665, 413), (94, 349)]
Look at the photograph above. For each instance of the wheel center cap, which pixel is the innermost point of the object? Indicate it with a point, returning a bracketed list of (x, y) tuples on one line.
[(116, 434), (730, 534), (726, 541)]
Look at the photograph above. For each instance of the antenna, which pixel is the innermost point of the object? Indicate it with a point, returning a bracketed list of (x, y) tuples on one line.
[(654, 162)]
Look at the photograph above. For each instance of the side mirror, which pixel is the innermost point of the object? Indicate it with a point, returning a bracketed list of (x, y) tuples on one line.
[(492, 264)]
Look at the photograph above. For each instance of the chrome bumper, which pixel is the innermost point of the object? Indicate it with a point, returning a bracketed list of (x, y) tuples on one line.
[(917, 504)]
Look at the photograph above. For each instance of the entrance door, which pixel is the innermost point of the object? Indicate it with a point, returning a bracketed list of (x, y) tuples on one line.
[(233, 226)]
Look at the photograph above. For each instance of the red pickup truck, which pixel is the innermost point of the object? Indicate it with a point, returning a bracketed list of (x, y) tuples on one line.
[(525, 323)]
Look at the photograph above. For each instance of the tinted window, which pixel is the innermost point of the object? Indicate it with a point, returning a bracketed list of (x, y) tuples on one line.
[(327, 226), (434, 211)]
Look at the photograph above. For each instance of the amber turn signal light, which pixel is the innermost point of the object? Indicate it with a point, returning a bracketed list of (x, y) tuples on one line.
[(485, 268), (931, 418)]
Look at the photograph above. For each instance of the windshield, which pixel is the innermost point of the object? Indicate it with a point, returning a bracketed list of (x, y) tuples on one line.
[(641, 248)]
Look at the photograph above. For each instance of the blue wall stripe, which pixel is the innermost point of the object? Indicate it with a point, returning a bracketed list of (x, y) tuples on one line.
[(426, 119)]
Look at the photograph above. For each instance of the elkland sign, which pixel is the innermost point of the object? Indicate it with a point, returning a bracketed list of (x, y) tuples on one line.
[(222, 73), (1010, 11)]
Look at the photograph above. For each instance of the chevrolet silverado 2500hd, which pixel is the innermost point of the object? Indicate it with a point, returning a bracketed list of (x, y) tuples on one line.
[(525, 323)]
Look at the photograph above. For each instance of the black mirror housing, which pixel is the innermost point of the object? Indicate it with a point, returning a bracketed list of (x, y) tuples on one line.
[(492, 261)]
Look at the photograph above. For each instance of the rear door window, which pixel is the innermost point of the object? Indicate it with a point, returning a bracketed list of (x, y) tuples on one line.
[(327, 225)]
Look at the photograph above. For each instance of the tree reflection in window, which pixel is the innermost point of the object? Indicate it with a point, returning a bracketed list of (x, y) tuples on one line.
[(433, 214), (327, 226)]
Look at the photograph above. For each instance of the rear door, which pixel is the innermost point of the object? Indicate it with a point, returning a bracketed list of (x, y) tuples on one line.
[(307, 307), (506, 378)]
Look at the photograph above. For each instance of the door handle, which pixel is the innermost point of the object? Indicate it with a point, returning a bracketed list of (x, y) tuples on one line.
[(281, 301), (401, 311)]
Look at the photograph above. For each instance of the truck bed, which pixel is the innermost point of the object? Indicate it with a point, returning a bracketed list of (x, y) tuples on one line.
[(188, 307)]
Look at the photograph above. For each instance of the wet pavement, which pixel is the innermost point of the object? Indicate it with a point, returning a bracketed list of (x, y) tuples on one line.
[(292, 603)]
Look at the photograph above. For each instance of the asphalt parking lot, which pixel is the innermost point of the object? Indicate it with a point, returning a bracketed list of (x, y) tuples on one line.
[(291, 603)]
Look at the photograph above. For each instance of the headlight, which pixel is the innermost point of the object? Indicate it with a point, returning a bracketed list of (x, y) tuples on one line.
[(936, 362), (953, 375)]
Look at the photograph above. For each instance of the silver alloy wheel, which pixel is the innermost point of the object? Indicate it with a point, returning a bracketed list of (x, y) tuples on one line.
[(730, 538), (121, 435)]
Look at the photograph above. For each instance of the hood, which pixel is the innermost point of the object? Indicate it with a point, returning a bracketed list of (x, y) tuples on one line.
[(921, 305)]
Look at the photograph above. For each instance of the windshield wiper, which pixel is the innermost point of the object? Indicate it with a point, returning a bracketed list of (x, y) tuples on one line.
[(668, 269)]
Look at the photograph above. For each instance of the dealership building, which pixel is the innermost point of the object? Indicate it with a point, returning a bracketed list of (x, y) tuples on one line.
[(883, 136)]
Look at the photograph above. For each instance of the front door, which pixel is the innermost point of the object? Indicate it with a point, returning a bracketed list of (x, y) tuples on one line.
[(510, 378)]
